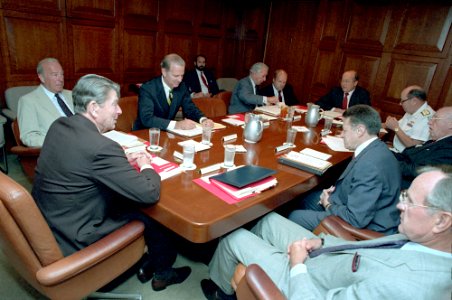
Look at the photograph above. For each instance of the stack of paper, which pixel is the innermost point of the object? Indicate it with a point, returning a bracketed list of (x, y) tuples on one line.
[(307, 160), (255, 188), (273, 110), (335, 143), (165, 168), (233, 121), (128, 142), (198, 146)]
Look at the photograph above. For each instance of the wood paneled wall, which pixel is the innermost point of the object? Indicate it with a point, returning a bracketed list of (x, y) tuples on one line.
[(392, 44)]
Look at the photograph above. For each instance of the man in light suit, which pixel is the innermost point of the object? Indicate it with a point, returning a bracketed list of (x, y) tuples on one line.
[(280, 89), (420, 269), (86, 187), (245, 97), (366, 193), (436, 151), (196, 84), (349, 88), (37, 110), (161, 98)]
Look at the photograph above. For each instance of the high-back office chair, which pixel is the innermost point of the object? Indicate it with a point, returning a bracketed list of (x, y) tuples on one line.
[(12, 96), (129, 107), (227, 83), (252, 283), (2, 146), (28, 156), (29, 245), (211, 106), (225, 96)]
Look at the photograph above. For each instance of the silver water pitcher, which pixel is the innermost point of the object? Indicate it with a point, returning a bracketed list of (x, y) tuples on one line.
[(312, 115), (253, 129)]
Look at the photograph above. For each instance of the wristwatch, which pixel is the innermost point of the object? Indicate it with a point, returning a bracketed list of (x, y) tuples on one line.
[(396, 129)]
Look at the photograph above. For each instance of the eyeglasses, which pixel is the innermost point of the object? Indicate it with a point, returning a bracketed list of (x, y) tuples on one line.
[(439, 118), (405, 200), (404, 100)]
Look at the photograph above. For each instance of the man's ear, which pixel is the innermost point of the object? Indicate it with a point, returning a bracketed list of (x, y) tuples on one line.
[(443, 221)]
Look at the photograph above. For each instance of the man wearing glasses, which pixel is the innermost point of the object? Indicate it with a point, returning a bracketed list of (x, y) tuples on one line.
[(436, 151), (303, 266), (412, 129)]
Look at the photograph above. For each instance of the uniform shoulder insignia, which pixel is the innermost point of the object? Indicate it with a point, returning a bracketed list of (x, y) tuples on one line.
[(425, 112)]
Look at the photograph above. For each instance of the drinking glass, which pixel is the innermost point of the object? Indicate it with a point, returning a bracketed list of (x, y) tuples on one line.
[(290, 139), (229, 153), (327, 126), (154, 137), (206, 134), (188, 156)]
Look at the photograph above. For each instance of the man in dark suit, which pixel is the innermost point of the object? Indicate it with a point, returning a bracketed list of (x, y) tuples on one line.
[(161, 98), (436, 151), (86, 187), (345, 96), (280, 89), (366, 193), (245, 96), (200, 81)]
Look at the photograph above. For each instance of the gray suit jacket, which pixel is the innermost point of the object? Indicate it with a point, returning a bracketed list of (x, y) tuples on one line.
[(84, 184), (36, 113), (243, 98)]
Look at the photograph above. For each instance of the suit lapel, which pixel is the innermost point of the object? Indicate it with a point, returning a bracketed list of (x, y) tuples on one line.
[(47, 104), (356, 159)]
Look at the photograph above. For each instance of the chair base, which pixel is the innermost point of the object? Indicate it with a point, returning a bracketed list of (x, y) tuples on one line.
[(98, 295)]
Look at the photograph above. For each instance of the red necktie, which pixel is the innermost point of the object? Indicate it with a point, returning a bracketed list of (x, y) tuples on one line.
[(279, 96), (204, 80), (344, 101)]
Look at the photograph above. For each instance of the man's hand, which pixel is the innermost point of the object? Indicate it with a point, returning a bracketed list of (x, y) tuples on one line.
[(391, 123), (139, 158), (325, 196), (299, 250), (272, 100), (185, 124)]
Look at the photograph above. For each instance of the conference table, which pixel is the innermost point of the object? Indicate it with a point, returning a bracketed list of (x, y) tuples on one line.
[(199, 216)]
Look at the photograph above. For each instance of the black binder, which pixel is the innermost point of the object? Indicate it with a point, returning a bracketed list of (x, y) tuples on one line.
[(244, 176)]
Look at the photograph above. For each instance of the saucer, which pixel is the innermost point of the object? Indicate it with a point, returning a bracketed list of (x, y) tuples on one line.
[(187, 168), (223, 166), (159, 148)]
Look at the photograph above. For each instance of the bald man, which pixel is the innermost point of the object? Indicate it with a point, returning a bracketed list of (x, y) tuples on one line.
[(280, 89)]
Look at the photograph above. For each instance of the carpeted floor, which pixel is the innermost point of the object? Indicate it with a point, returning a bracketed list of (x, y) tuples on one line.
[(12, 286)]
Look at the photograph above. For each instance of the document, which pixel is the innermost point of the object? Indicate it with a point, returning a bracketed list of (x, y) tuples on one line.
[(306, 162), (233, 121), (121, 138), (198, 146), (165, 168), (273, 110), (195, 131), (335, 143)]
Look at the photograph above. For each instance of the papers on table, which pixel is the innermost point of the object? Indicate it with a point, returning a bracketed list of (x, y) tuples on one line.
[(266, 118), (335, 143), (331, 114), (128, 142), (273, 110), (316, 154), (195, 131), (304, 161), (198, 146), (233, 121), (165, 168), (301, 128)]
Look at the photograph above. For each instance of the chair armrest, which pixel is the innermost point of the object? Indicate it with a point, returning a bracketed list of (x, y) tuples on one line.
[(25, 151), (87, 257), (261, 286), (336, 226), (359, 234)]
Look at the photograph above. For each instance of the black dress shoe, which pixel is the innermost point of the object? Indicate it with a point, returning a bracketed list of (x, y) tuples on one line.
[(146, 272), (213, 291), (172, 276)]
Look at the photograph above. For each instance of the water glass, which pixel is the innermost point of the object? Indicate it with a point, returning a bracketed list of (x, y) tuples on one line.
[(229, 153), (290, 139), (290, 113), (154, 137), (189, 155), (327, 126), (206, 134)]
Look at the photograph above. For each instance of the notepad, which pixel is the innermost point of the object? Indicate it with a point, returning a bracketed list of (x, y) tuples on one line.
[(305, 162)]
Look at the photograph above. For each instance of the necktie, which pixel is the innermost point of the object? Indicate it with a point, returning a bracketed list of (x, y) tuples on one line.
[(280, 96), (345, 101), (63, 106), (204, 80), (375, 245), (170, 97)]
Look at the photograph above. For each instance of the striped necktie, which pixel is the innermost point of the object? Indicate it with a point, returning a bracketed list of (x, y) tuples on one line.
[(170, 97), (63, 106)]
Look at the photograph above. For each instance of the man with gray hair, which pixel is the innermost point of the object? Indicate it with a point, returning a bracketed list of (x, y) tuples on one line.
[(414, 264), (412, 128), (86, 187), (245, 96), (38, 109), (161, 98)]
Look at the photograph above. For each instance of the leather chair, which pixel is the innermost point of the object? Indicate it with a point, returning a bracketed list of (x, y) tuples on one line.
[(2, 146), (225, 96), (29, 245), (227, 83), (28, 156), (211, 106), (12, 96), (129, 107), (252, 283)]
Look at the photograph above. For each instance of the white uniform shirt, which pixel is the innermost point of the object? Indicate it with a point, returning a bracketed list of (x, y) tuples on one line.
[(415, 125)]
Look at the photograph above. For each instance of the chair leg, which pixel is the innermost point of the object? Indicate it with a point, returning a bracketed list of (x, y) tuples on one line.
[(98, 295), (5, 160)]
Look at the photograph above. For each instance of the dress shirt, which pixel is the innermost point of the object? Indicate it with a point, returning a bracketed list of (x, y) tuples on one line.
[(204, 88), (349, 96), (275, 92), (54, 101), (363, 146)]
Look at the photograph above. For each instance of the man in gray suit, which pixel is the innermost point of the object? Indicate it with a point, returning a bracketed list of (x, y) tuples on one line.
[(420, 269), (37, 110), (245, 97), (366, 193)]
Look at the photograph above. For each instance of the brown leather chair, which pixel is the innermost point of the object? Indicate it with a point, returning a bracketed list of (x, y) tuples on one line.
[(211, 106), (32, 250), (129, 107), (252, 283), (28, 156), (225, 96)]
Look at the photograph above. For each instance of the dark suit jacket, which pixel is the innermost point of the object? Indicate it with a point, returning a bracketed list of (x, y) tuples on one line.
[(191, 80), (153, 108), (243, 98), (336, 95), (429, 154), (81, 180), (289, 95)]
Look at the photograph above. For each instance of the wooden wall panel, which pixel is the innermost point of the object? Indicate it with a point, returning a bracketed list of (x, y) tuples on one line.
[(30, 38), (178, 43), (366, 66), (50, 7), (140, 14), (211, 48), (139, 51), (88, 9)]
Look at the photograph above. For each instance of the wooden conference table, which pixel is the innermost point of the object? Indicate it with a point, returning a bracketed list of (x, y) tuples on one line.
[(198, 215)]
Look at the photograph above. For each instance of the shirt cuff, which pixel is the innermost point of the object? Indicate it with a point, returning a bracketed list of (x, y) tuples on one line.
[(202, 120), (146, 166), (171, 125), (298, 269), (264, 100)]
